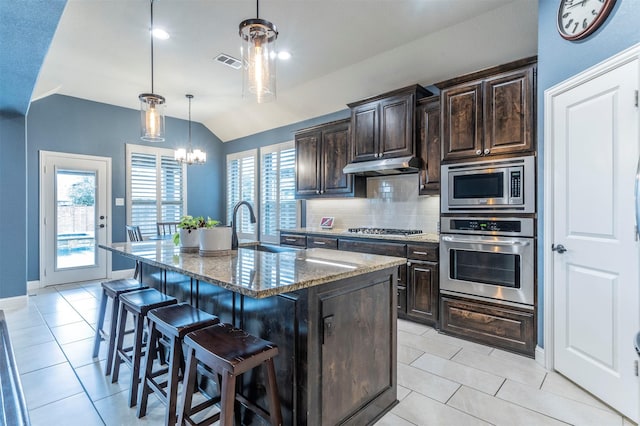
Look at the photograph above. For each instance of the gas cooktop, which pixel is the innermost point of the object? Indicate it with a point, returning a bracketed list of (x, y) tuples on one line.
[(384, 231)]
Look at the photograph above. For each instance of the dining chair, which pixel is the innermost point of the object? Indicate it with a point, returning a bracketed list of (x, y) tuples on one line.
[(134, 234), (167, 228)]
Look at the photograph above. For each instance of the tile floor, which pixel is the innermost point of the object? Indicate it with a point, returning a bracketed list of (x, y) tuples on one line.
[(441, 380)]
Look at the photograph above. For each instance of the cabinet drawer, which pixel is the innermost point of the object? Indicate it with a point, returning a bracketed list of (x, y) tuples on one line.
[(293, 240), (322, 242), (499, 326), (385, 249), (423, 252)]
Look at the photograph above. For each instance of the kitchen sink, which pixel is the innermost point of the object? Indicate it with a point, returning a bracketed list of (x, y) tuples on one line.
[(272, 248)]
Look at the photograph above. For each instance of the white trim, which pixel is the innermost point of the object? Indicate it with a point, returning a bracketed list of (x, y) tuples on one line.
[(615, 61), (14, 302), (540, 356), (43, 156), (33, 286), (122, 274)]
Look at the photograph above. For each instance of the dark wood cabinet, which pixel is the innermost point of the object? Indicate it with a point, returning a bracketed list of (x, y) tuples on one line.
[(423, 291), (322, 242), (428, 112), (296, 240), (384, 126), (496, 325), (490, 112), (321, 154), (373, 247)]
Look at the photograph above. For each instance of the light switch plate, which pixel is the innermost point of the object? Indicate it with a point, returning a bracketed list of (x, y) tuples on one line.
[(119, 201)]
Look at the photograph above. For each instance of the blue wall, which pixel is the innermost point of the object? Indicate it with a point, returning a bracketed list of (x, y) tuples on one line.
[(13, 204), (558, 60), (67, 124)]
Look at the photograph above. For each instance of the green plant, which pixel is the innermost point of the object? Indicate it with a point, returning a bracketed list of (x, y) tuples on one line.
[(191, 223)]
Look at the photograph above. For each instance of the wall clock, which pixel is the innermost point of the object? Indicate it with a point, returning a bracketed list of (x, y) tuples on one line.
[(579, 18)]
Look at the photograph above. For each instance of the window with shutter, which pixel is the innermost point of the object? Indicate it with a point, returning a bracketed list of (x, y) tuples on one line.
[(241, 186), (278, 206), (156, 187)]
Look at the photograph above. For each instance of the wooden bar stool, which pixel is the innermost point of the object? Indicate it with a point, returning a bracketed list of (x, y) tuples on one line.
[(228, 352), (173, 322), (137, 303), (112, 290)]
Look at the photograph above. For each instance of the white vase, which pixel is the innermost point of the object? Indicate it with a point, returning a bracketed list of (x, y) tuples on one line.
[(189, 240), (215, 240)]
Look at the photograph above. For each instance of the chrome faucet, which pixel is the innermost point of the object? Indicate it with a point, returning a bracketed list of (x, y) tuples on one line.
[(234, 234)]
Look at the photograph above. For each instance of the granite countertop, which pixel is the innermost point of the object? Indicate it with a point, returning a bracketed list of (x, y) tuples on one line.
[(255, 273), (417, 238)]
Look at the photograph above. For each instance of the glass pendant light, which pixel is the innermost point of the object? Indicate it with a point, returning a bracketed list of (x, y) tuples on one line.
[(190, 156), (152, 106), (258, 58)]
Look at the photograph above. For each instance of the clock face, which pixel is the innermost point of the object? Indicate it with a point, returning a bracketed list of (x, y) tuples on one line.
[(579, 18)]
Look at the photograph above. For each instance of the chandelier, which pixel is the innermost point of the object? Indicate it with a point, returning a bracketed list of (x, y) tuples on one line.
[(152, 106), (258, 58), (190, 156)]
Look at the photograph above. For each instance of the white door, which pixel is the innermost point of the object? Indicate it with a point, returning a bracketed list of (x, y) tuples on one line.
[(74, 217), (595, 145)]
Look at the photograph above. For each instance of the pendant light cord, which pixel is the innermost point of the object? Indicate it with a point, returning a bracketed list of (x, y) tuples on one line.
[(151, 33), (190, 124), (257, 9)]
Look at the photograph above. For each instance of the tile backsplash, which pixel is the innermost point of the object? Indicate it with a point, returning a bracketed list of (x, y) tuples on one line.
[(392, 202)]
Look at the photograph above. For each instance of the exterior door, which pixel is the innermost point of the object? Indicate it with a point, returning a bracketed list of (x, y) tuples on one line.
[(594, 139), (74, 217)]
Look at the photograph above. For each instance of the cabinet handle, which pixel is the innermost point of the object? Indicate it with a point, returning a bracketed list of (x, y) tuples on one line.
[(291, 240), (322, 191), (317, 191), (422, 186), (424, 253), (320, 243), (487, 151), (478, 152), (380, 155), (408, 263), (375, 155)]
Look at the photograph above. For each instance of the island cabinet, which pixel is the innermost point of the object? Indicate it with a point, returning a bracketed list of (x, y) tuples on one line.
[(428, 112), (321, 154), (384, 126), (489, 112)]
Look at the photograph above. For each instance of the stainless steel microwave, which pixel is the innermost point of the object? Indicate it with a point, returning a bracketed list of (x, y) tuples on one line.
[(494, 186)]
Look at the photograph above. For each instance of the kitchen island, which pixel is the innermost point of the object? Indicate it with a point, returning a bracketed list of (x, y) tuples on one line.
[(332, 315)]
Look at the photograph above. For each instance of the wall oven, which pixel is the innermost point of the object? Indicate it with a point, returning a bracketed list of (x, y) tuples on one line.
[(488, 258), (495, 186)]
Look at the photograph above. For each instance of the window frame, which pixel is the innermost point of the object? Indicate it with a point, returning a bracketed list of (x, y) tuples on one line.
[(229, 204), (130, 150)]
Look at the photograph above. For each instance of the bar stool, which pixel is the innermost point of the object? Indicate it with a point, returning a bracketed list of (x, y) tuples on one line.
[(228, 352), (137, 303), (112, 290), (172, 322)]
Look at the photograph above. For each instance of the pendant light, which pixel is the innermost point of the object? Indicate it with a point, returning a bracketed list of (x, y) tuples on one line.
[(152, 106), (190, 156), (258, 58)]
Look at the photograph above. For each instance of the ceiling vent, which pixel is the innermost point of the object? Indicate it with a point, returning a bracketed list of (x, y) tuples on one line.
[(230, 61)]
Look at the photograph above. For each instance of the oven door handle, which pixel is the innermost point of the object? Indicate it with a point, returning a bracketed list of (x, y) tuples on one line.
[(487, 242)]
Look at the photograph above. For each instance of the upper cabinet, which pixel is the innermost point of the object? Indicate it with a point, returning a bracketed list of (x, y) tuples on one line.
[(384, 126), (321, 154), (428, 114), (490, 112)]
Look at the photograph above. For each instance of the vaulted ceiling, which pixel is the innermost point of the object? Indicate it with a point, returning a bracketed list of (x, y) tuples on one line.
[(342, 51)]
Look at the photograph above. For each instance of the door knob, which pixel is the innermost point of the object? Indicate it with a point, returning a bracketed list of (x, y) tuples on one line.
[(559, 248), (102, 225)]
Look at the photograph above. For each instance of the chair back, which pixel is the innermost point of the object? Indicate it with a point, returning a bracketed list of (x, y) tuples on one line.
[(167, 228), (134, 233)]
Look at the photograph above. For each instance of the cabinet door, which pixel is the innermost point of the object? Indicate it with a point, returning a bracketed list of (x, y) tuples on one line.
[(462, 121), (335, 155), (508, 118), (308, 164), (422, 292), (397, 127), (364, 119), (402, 291), (429, 144)]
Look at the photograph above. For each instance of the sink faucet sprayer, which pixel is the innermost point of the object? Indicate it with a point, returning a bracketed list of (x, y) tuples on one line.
[(234, 234)]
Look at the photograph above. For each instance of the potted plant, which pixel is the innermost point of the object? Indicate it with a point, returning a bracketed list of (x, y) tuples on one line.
[(214, 239), (187, 235)]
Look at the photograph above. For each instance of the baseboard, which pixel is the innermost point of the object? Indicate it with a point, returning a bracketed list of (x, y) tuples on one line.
[(13, 302), (540, 356), (122, 274), (33, 286)]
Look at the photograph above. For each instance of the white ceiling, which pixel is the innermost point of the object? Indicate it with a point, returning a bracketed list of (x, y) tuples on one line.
[(342, 51)]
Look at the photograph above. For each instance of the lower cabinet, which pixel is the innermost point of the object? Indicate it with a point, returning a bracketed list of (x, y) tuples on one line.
[(496, 325), (422, 292), (402, 291)]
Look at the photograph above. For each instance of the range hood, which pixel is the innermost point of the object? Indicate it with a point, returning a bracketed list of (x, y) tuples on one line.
[(387, 166)]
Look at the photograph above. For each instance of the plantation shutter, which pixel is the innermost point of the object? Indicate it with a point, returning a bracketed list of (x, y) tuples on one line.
[(278, 206), (241, 186), (156, 188)]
